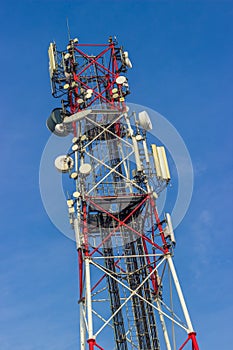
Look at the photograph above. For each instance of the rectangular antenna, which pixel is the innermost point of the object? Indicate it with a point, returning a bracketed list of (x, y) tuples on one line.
[(163, 163), (168, 231), (156, 161), (52, 61)]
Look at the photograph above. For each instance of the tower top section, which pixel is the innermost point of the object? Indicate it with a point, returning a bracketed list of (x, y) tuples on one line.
[(83, 79)]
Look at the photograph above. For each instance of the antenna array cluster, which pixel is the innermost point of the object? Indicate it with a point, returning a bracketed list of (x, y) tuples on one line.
[(125, 250)]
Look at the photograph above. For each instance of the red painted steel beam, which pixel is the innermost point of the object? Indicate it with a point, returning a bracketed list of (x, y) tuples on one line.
[(192, 337)]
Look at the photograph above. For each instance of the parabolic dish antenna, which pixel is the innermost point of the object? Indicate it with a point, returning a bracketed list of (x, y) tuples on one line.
[(54, 123), (60, 130), (88, 95), (64, 163), (121, 80), (85, 169)]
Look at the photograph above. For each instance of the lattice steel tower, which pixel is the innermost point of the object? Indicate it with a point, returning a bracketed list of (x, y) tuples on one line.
[(129, 293)]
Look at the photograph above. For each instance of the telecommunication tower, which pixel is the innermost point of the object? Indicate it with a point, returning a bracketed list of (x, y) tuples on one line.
[(129, 293)]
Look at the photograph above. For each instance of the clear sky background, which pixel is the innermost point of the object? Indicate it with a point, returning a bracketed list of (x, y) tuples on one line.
[(182, 54)]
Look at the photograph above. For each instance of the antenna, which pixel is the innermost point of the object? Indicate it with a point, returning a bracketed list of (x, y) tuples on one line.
[(68, 27), (125, 251)]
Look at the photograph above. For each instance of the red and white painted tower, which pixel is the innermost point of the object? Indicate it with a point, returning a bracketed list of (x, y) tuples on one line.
[(129, 293)]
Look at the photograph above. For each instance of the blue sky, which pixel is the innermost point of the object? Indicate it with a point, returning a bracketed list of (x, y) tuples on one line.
[(182, 54)]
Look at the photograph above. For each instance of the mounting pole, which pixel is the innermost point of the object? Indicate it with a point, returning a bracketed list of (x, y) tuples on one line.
[(164, 328), (190, 331), (180, 293), (82, 326), (88, 301), (68, 28)]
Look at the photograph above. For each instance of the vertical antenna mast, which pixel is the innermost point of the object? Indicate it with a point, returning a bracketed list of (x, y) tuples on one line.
[(125, 250), (68, 28)]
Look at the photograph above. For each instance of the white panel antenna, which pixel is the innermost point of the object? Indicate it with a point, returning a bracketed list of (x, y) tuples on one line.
[(156, 161), (163, 163), (144, 120), (168, 231), (146, 151), (128, 62), (52, 60)]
